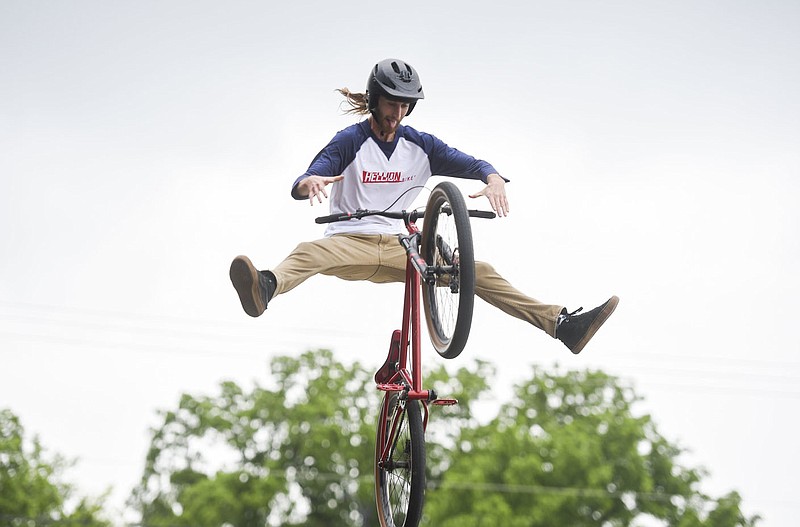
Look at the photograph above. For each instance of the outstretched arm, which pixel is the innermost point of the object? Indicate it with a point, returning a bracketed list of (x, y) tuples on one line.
[(313, 187), (495, 191)]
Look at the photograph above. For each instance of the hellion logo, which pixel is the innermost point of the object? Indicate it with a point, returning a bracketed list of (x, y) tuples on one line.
[(382, 177)]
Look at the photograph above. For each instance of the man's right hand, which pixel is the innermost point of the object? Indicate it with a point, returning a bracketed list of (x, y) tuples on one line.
[(313, 187)]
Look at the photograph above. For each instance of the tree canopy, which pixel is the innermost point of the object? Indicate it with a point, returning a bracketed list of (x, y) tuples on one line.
[(32, 489), (568, 449)]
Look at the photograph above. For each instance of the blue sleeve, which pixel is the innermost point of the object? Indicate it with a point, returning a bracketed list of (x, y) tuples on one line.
[(334, 158), (448, 161)]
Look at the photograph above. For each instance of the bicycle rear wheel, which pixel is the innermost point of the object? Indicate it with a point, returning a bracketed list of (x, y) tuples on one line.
[(447, 248), (400, 480)]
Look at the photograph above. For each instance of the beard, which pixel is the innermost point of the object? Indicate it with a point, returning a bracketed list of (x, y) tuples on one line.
[(385, 125)]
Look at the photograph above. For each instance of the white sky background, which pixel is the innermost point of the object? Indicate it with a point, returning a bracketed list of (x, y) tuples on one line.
[(653, 153)]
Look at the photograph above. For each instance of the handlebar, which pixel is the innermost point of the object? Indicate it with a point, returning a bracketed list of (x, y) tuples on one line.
[(410, 216), (485, 214), (413, 215)]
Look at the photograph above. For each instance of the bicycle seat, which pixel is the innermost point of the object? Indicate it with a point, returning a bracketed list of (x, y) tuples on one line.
[(389, 368)]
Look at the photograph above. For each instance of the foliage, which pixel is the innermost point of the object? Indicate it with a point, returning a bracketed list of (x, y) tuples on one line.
[(296, 451), (32, 491), (566, 450)]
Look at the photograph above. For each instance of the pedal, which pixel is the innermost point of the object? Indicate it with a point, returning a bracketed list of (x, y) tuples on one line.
[(391, 387), (444, 402)]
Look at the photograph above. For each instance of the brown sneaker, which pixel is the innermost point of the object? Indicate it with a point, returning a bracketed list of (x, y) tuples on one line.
[(255, 288), (576, 329)]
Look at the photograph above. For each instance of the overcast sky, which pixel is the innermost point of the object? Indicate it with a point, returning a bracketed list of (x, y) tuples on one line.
[(652, 149)]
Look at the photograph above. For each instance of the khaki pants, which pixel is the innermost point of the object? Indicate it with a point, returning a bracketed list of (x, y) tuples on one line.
[(380, 258)]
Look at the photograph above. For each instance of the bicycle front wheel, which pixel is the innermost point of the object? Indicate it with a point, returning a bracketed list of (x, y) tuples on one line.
[(400, 475), (447, 249)]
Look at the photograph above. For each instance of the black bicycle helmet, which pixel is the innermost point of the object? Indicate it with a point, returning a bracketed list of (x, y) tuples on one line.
[(396, 79)]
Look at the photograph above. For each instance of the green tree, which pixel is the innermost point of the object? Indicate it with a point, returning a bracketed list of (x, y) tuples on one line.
[(298, 451), (294, 452), (32, 491), (566, 450), (569, 450)]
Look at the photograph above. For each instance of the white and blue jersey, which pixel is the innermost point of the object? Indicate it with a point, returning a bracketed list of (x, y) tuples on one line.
[(380, 174)]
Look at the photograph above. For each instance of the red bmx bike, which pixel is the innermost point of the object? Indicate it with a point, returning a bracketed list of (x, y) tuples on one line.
[(441, 265)]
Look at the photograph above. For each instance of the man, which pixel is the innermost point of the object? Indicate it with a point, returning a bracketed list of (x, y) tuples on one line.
[(379, 163)]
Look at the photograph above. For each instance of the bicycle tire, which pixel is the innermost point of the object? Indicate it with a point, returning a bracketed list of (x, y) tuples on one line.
[(400, 485), (448, 306)]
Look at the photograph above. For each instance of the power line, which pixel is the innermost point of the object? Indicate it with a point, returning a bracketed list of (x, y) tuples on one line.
[(118, 336), (209, 328), (115, 321), (706, 381), (433, 486), (702, 384)]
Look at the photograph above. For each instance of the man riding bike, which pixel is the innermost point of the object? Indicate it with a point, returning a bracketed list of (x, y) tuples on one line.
[(380, 163)]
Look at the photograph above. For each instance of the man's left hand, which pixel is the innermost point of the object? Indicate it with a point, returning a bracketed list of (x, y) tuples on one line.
[(495, 191)]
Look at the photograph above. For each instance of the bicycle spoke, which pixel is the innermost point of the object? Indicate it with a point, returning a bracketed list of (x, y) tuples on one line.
[(400, 479), (446, 292), (447, 248)]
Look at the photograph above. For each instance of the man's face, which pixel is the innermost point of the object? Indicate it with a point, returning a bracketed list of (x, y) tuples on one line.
[(388, 115)]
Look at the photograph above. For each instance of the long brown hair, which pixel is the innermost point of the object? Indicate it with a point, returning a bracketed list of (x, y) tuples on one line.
[(356, 101)]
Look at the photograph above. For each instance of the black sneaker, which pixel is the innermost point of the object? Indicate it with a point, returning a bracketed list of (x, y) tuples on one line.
[(255, 287), (576, 329)]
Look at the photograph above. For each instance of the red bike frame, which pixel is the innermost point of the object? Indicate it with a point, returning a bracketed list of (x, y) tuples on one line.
[(409, 335), (408, 383)]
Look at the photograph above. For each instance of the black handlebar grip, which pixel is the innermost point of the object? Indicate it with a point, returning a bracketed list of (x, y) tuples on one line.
[(482, 214), (332, 218)]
